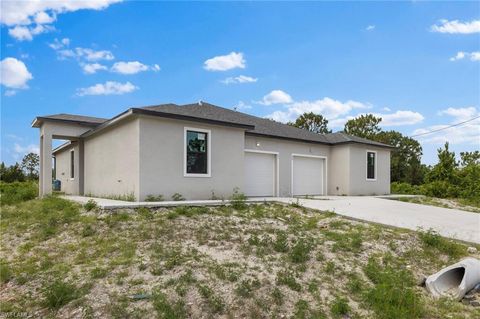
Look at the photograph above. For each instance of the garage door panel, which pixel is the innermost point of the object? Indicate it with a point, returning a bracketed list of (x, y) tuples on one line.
[(308, 175), (259, 174)]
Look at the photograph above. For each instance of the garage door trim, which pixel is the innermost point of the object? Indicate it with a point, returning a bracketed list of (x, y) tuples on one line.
[(276, 184), (325, 188)]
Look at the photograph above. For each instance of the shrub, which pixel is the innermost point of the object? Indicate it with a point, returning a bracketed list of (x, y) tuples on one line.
[(91, 204), (58, 294), (153, 198), (177, 197), (404, 188), (440, 189), (300, 252), (238, 200), (12, 193)]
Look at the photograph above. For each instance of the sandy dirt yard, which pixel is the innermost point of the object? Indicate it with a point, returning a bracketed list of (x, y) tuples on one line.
[(239, 261)]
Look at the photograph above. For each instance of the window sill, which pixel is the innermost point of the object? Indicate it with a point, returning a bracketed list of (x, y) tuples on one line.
[(196, 175), (371, 179)]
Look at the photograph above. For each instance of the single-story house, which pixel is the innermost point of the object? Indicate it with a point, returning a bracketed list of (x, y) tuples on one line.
[(202, 151)]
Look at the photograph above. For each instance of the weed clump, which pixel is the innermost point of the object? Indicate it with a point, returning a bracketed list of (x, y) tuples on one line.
[(59, 293), (90, 205)]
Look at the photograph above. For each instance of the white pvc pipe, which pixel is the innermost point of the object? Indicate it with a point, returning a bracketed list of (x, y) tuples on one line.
[(456, 280)]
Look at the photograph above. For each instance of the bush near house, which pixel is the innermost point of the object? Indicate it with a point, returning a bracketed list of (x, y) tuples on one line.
[(449, 178)]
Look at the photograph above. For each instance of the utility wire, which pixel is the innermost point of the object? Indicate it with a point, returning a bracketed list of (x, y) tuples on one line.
[(447, 127)]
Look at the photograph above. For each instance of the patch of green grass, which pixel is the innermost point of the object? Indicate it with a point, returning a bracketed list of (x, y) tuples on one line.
[(300, 252), (393, 294), (246, 288), (154, 198), (287, 278), (281, 242), (277, 296), (166, 309), (59, 293), (433, 240), (90, 205), (303, 311), (329, 267), (238, 200), (5, 271), (97, 273), (215, 303), (16, 192), (340, 307)]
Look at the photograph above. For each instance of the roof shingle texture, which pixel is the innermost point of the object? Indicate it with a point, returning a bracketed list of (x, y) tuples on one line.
[(262, 126)]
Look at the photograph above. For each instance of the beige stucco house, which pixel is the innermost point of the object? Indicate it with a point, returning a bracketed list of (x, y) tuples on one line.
[(200, 151)]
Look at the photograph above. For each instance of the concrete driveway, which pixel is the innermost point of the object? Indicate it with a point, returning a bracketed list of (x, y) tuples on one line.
[(452, 223)]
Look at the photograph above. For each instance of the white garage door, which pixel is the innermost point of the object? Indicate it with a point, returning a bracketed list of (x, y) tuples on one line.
[(308, 175), (259, 174)]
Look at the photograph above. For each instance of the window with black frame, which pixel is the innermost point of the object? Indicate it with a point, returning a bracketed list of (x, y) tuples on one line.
[(197, 152), (371, 165)]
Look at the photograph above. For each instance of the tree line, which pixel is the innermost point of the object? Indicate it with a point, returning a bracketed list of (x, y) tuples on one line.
[(447, 178), (20, 172)]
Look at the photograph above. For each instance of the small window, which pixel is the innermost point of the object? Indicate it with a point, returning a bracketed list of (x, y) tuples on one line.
[(72, 164), (197, 152), (371, 158)]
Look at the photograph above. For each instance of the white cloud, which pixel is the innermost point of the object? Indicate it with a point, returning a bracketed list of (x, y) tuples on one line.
[(225, 62), (92, 55), (276, 97), (242, 106), (107, 88), (473, 56), (386, 109), (91, 68), (456, 26), (239, 79), (156, 68), (328, 107), (59, 44), (22, 150), (22, 33), (29, 18), (129, 67), (370, 28), (468, 133), (400, 118), (14, 74)]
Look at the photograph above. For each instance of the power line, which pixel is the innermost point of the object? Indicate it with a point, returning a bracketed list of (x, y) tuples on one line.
[(447, 127)]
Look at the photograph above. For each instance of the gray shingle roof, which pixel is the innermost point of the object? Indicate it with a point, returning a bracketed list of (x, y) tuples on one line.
[(89, 120), (262, 126), (218, 115)]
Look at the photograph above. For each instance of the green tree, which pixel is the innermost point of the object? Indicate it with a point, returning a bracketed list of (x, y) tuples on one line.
[(446, 168), (470, 176), (405, 161), (11, 173), (30, 165), (365, 126), (312, 122)]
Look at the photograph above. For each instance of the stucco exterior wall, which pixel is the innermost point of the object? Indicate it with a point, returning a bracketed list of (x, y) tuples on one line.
[(62, 161), (162, 160), (285, 149), (339, 170), (359, 185), (112, 160)]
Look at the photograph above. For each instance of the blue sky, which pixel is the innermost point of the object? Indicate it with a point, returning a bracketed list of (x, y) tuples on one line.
[(416, 64)]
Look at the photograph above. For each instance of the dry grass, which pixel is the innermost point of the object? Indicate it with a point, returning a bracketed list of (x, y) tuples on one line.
[(255, 261)]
